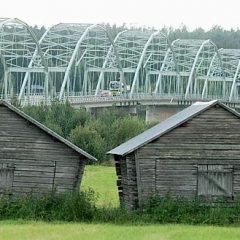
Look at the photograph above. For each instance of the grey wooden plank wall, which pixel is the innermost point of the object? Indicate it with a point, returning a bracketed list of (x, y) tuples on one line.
[(40, 161), (127, 183), (169, 164)]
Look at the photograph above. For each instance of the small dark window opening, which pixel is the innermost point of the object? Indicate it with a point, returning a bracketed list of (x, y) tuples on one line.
[(215, 180)]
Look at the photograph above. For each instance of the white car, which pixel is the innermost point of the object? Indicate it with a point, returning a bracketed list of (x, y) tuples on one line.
[(105, 93)]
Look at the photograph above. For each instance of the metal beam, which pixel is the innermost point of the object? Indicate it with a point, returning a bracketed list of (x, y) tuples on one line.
[(74, 54), (106, 61), (234, 81), (208, 74), (170, 49), (38, 50), (193, 67), (161, 70), (141, 61)]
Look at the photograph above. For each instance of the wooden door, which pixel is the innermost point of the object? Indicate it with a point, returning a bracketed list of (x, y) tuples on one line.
[(215, 180)]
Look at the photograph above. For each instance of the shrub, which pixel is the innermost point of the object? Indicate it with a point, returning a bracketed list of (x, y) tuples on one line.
[(88, 139), (66, 117), (96, 136), (189, 211), (60, 117), (61, 207), (125, 129), (81, 207)]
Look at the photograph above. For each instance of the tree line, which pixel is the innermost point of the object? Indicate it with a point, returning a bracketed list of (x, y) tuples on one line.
[(229, 39)]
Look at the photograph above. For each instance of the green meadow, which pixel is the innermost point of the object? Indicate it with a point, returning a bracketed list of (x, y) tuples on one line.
[(16, 230), (102, 180)]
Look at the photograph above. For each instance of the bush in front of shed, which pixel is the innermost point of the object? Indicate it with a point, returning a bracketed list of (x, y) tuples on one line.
[(81, 207), (76, 206), (170, 209)]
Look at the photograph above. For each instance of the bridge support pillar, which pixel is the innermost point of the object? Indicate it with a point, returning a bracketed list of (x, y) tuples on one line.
[(161, 113)]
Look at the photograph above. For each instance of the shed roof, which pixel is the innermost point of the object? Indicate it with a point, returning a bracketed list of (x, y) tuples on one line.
[(166, 126), (47, 130)]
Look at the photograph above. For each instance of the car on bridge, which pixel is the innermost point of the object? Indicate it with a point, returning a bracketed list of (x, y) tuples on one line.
[(106, 93)]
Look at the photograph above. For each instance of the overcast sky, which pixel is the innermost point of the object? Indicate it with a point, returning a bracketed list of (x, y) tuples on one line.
[(157, 13)]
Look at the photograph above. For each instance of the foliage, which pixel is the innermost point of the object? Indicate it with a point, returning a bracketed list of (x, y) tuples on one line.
[(64, 207), (15, 102), (88, 138), (61, 117), (167, 210), (53, 126), (190, 211), (223, 38), (94, 134), (66, 117), (39, 112), (125, 129), (83, 207), (158, 209)]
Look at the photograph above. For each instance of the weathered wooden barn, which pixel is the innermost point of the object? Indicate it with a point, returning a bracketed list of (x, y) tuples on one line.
[(35, 159), (196, 152)]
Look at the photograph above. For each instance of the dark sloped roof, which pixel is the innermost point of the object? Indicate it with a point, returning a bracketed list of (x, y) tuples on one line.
[(166, 126), (47, 130)]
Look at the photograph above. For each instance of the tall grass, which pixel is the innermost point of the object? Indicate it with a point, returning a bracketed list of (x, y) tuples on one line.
[(171, 210), (190, 211), (100, 205), (49, 207), (81, 207)]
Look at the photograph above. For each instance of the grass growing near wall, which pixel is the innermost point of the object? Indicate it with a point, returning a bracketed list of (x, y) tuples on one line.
[(102, 179), (50, 207), (189, 211), (84, 207), (110, 222)]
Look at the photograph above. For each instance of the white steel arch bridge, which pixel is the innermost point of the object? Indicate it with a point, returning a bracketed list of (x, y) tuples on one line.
[(78, 61)]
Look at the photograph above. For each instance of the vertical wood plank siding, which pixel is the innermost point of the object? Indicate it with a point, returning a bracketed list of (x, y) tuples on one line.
[(127, 182), (169, 164), (39, 160)]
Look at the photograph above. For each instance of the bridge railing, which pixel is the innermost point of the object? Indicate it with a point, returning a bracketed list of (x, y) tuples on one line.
[(38, 99)]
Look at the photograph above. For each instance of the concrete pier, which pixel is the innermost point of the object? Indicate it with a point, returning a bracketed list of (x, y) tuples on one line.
[(153, 113), (161, 113)]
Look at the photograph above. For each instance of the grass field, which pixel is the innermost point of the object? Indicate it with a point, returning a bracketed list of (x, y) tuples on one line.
[(103, 181), (72, 231)]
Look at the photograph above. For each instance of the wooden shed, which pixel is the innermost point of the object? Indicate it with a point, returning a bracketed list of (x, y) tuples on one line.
[(196, 152), (35, 159)]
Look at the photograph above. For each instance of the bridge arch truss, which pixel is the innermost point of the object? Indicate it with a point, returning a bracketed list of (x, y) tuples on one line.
[(74, 60)]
